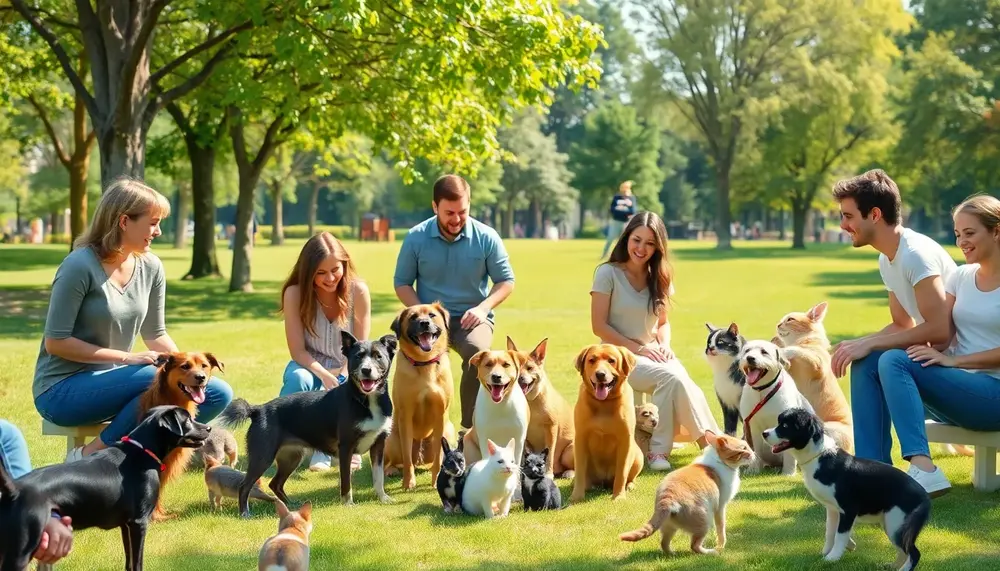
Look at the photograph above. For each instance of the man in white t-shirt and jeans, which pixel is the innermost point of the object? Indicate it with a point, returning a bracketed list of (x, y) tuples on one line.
[(914, 269)]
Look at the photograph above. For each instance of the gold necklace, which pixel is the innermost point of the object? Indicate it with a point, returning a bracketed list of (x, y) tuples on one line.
[(323, 304)]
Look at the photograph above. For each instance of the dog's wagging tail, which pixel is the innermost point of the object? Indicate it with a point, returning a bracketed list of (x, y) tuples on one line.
[(238, 412)]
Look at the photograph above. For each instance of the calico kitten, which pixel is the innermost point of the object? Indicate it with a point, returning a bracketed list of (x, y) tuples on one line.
[(538, 491), (807, 348), (451, 478), (690, 498), (722, 349), (491, 482)]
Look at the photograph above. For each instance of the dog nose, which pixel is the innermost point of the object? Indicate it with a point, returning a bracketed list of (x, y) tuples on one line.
[(654, 423), (601, 375), (366, 371), (200, 376), (496, 377), (751, 359)]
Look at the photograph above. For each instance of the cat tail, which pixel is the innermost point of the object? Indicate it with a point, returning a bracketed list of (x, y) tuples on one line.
[(660, 514)]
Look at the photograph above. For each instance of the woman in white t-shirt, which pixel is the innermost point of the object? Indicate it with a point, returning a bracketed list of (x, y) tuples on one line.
[(629, 308), (959, 384)]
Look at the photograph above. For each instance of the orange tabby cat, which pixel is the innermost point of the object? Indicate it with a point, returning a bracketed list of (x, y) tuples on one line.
[(690, 498), (807, 348)]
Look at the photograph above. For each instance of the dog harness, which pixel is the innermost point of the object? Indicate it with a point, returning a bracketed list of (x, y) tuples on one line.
[(747, 434), (417, 363), (146, 450)]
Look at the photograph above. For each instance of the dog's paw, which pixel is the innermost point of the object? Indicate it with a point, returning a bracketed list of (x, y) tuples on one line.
[(630, 486), (620, 497), (576, 498), (833, 556), (347, 500), (851, 544), (568, 474), (385, 499)]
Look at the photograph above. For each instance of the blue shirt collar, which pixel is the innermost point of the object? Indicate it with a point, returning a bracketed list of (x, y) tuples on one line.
[(436, 230)]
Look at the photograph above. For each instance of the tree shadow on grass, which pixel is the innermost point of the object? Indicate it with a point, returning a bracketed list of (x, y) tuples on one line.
[(24, 311), (20, 258)]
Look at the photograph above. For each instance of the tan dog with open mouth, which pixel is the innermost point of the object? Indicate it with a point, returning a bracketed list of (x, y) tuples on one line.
[(604, 417), (769, 391), (422, 390), (551, 418), (501, 411)]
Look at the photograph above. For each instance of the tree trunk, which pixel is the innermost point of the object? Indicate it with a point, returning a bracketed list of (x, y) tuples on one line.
[(243, 241), (17, 214), (53, 225), (536, 210), (313, 207), (722, 214), (800, 209), (583, 217), (508, 221), (78, 168), (278, 227), (204, 262), (183, 199), (122, 154), (781, 224)]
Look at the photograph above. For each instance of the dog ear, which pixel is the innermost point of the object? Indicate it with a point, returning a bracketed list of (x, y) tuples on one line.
[(164, 359), (538, 353), (212, 360), (734, 329), (282, 509), (477, 358), (510, 344), (347, 341), (817, 312), (782, 358), (390, 342), (306, 510), (581, 358), (172, 420), (397, 324), (444, 314), (628, 361)]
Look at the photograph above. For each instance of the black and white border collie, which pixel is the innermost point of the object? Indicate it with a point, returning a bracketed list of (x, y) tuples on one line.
[(853, 489)]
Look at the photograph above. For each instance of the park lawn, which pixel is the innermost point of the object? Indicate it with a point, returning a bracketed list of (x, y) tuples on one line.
[(772, 524)]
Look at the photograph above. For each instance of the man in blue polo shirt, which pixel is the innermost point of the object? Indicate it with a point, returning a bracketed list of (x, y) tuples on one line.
[(450, 256)]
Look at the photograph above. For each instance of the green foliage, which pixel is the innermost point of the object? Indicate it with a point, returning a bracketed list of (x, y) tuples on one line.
[(617, 146)]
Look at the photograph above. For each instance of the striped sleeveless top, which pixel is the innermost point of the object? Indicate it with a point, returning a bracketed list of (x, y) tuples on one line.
[(325, 345)]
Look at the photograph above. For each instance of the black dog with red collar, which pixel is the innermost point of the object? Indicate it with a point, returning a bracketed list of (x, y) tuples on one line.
[(116, 487)]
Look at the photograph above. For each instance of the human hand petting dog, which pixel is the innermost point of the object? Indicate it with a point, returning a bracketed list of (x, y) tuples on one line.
[(846, 353), (473, 317), (142, 358), (927, 356), (57, 540)]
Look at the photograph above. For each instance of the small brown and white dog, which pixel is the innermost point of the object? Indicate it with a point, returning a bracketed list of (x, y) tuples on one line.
[(692, 497), (501, 411), (288, 550), (550, 422), (605, 451), (769, 391), (803, 340), (647, 416), (224, 482)]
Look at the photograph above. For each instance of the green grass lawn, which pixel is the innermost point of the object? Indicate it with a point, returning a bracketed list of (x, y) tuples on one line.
[(773, 522)]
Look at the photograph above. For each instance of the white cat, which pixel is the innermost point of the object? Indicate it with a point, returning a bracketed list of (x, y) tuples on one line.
[(491, 482)]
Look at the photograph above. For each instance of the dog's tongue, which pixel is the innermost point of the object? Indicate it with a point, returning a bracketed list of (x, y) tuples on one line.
[(754, 375), (496, 391), (197, 394), (425, 340), (367, 385), (602, 391)]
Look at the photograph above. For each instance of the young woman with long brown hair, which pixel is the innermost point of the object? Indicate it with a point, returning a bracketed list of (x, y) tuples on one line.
[(321, 297), (629, 302)]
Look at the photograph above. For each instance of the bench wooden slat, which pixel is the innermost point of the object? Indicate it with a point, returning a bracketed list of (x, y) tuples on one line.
[(984, 470)]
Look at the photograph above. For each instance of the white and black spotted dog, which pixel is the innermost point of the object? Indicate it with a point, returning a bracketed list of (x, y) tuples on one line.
[(853, 489), (768, 392)]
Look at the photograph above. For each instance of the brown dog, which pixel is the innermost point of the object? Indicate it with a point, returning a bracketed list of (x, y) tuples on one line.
[(606, 451), (180, 381), (647, 416), (288, 550), (422, 390), (550, 422)]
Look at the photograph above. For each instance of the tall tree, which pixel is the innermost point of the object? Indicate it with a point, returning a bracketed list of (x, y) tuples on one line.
[(838, 116), (117, 38), (722, 63), (617, 146)]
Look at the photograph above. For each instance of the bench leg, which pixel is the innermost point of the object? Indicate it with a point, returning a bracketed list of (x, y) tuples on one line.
[(75, 441), (984, 472)]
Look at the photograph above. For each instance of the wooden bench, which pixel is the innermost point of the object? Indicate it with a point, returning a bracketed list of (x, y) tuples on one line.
[(75, 435), (984, 470)]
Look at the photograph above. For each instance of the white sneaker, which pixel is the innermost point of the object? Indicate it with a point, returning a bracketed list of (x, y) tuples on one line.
[(935, 483), (319, 462), (657, 462), (74, 454)]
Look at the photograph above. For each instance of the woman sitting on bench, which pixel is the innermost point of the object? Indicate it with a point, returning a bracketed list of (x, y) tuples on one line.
[(958, 384), (109, 289)]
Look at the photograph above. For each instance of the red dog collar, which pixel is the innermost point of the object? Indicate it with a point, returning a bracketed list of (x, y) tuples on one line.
[(747, 434), (146, 450), (417, 363)]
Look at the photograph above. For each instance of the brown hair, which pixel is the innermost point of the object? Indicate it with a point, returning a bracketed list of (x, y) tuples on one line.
[(125, 196), (315, 250), (450, 187), (658, 271), (984, 207), (873, 189)]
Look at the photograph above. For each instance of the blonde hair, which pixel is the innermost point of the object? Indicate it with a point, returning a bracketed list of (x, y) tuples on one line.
[(316, 249), (125, 196), (984, 207), (625, 186)]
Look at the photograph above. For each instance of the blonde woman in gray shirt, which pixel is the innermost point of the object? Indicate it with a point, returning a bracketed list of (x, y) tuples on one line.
[(107, 291), (629, 301)]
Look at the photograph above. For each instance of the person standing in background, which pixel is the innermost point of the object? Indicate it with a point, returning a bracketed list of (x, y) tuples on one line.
[(623, 207)]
